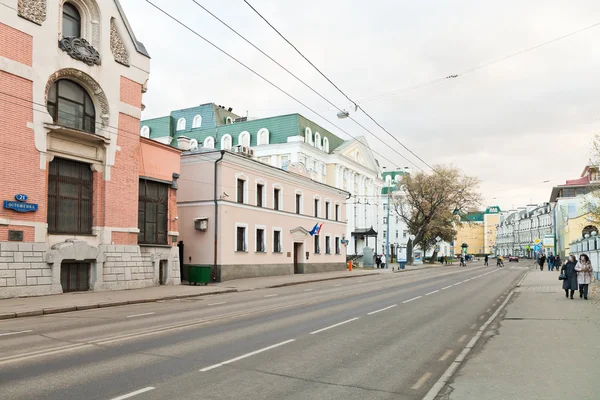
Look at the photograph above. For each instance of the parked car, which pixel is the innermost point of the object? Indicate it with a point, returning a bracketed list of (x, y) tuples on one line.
[(513, 258)]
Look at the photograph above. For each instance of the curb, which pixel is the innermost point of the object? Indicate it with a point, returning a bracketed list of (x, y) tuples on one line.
[(65, 309)]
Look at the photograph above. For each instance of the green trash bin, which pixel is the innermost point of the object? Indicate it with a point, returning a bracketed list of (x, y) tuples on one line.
[(198, 274)]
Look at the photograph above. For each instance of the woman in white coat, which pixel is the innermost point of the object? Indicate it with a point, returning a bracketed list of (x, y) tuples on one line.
[(584, 275)]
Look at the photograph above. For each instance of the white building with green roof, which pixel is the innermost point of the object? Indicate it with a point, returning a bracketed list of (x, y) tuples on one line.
[(280, 140)]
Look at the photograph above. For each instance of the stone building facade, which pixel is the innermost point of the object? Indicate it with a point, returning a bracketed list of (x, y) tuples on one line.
[(74, 170)]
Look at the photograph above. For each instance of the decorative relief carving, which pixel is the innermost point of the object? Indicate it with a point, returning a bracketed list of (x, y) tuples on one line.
[(116, 45), (89, 84), (33, 10), (80, 49)]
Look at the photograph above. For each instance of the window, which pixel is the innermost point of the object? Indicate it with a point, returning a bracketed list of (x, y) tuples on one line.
[(240, 238), (298, 203), (318, 140), (153, 206), (327, 245), (241, 188), (263, 136), (193, 144), (337, 212), (327, 205), (244, 139), (209, 143), (337, 245), (71, 24), (69, 197), (385, 220), (260, 240), (226, 142), (308, 136), (397, 220), (397, 234), (317, 204), (181, 124), (71, 106), (404, 234), (317, 245), (228, 121), (260, 189), (384, 234), (197, 121), (276, 199), (145, 131), (285, 160), (276, 241), (326, 145)]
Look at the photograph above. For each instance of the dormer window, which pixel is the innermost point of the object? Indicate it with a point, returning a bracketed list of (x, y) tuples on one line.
[(71, 21)]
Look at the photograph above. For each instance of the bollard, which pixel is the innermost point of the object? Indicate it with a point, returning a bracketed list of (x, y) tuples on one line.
[(350, 265)]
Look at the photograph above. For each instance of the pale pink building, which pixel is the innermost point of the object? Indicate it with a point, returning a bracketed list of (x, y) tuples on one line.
[(245, 218)]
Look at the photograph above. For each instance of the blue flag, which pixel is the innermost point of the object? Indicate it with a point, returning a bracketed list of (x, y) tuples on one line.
[(314, 230)]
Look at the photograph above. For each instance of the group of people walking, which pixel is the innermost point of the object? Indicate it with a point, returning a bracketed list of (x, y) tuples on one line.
[(577, 275)]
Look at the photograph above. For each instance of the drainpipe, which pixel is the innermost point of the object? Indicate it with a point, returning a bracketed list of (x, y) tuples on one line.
[(216, 217)]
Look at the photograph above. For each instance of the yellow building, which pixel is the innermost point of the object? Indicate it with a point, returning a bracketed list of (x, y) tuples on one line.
[(478, 231)]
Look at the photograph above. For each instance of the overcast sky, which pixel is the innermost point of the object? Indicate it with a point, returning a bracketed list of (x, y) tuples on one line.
[(513, 124)]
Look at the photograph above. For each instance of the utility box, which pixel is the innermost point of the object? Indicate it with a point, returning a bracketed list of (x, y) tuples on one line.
[(201, 224), (368, 257)]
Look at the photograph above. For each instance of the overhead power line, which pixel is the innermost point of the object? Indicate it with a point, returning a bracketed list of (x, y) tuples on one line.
[(356, 105), (263, 77), (295, 77), (477, 67)]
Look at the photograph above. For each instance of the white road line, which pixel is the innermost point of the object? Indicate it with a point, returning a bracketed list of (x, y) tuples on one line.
[(333, 326), (308, 290), (457, 283), (383, 309), (14, 333), (128, 395), (447, 287), (337, 285), (421, 380), (271, 295), (446, 355), (216, 304), (359, 282), (409, 300), (462, 338), (139, 315), (435, 291), (246, 355), (467, 280)]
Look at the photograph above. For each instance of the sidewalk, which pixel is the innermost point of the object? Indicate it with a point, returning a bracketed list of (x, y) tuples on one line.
[(30, 306), (545, 347)]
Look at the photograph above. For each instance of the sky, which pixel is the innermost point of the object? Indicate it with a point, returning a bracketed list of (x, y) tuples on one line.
[(520, 125)]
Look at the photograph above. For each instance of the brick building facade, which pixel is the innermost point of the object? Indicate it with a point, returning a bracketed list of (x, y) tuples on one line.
[(85, 206)]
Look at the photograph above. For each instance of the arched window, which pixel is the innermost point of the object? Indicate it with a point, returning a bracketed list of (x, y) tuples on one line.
[(326, 145), (145, 131), (193, 144), (197, 122), (244, 139), (588, 230), (209, 143), (228, 121), (71, 24), (318, 140), (226, 142), (308, 138), (388, 180), (71, 106), (263, 136), (181, 124)]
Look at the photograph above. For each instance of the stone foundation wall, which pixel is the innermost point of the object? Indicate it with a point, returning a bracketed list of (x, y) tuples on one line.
[(33, 269)]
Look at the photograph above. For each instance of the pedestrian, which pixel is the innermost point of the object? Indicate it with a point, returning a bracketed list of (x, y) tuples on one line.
[(570, 281), (557, 262), (584, 275), (485, 260), (462, 261), (551, 260), (378, 261), (542, 261), (383, 261)]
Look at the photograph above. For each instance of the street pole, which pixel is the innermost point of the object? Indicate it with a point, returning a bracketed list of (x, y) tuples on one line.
[(387, 237), (554, 228)]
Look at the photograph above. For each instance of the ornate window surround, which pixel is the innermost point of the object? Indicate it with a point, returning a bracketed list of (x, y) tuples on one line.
[(90, 20)]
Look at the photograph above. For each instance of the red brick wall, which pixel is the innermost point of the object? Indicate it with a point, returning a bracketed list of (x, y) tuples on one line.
[(131, 92), (173, 225), (19, 159), (98, 199), (122, 188), (28, 232), (15, 44), (124, 238)]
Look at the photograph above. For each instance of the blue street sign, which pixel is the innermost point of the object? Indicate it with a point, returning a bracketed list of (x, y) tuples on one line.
[(537, 247), (20, 207)]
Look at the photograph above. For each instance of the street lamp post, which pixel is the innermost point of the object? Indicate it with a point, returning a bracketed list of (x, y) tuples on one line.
[(409, 250), (387, 236)]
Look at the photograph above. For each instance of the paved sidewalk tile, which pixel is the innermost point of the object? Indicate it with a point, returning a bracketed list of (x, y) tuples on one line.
[(545, 347)]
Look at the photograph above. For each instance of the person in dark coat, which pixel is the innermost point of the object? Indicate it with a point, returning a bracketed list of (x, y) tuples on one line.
[(557, 262), (378, 261), (551, 262), (570, 284), (541, 261), (485, 260)]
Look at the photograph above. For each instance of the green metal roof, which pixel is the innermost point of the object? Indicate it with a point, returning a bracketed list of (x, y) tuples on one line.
[(475, 216)]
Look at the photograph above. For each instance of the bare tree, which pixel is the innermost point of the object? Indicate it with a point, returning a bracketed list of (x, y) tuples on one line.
[(428, 203)]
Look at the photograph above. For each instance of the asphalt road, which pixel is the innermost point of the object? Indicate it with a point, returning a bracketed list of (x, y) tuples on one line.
[(378, 337)]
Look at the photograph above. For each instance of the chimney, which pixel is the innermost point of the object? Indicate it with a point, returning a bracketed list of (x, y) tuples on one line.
[(183, 143)]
